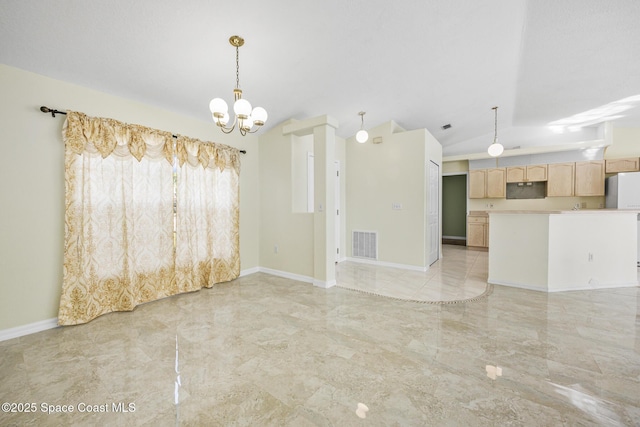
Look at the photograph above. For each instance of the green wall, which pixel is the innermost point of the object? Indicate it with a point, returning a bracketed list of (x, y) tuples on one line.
[(454, 205)]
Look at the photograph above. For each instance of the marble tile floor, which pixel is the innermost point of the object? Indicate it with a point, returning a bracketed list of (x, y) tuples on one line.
[(460, 274), (263, 350)]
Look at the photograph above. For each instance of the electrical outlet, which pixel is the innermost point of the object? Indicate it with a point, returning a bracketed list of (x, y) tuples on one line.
[(396, 206), (275, 249)]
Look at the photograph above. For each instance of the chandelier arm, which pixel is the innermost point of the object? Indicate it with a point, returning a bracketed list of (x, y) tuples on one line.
[(227, 130)]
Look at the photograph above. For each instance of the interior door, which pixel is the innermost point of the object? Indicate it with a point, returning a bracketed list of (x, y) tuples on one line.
[(433, 213)]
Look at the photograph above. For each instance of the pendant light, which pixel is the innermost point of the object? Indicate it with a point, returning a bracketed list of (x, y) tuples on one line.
[(362, 135), (495, 149)]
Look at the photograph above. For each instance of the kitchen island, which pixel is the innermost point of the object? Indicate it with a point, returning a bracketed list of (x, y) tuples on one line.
[(554, 251)]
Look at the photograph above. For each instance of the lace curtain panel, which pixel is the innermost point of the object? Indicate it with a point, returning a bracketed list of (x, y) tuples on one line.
[(120, 247)]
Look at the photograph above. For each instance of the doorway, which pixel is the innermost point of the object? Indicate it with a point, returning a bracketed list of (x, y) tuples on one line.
[(433, 212), (454, 209)]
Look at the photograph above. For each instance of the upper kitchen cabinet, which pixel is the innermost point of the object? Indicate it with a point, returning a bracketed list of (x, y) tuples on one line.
[(560, 179), (529, 173), (589, 178), (487, 183), (622, 165)]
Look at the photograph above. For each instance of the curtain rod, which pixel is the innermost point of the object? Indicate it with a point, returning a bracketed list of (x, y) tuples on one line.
[(54, 112)]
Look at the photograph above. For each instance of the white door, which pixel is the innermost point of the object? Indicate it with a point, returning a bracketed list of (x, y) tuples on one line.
[(433, 213), (338, 213)]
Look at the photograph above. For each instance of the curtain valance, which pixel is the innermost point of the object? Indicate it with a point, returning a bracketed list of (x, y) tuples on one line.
[(98, 135), (208, 154)]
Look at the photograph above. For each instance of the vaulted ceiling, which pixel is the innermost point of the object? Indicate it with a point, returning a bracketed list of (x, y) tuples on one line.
[(421, 63)]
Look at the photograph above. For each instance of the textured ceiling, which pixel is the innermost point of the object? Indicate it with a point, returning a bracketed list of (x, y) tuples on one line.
[(421, 63)]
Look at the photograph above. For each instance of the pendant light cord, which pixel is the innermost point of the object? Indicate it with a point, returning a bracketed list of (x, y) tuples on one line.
[(495, 135)]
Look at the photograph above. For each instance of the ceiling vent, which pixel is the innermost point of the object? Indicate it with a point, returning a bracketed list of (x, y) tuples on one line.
[(447, 126)]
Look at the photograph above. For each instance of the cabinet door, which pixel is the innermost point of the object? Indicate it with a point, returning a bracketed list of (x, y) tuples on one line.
[(477, 184), (560, 179), (516, 174), (622, 165), (476, 234), (589, 178), (496, 183), (536, 173)]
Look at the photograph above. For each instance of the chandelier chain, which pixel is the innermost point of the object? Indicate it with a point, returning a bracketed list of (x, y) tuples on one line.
[(237, 67)]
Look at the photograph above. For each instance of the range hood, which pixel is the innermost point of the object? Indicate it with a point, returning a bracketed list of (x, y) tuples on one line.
[(526, 190)]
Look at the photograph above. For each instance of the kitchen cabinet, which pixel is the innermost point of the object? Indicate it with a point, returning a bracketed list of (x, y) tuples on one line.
[(487, 183), (496, 183), (622, 165), (478, 230), (528, 173), (560, 179), (477, 184), (589, 178)]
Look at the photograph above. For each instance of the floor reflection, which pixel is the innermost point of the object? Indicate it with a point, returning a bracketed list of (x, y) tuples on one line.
[(459, 275), (264, 350)]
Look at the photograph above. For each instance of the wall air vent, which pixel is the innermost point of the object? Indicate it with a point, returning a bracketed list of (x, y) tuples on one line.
[(364, 244)]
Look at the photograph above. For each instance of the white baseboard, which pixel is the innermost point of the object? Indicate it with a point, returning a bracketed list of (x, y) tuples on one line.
[(249, 271), (31, 328), (388, 264), (323, 284), (286, 275), (562, 289)]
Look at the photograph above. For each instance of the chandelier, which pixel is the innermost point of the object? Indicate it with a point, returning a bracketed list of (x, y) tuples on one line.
[(495, 149), (246, 119)]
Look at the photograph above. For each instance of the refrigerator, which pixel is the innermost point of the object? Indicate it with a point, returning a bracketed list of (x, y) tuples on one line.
[(622, 191)]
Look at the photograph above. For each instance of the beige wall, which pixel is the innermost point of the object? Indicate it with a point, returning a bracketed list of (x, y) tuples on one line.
[(291, 232), (626, 143), (32, 184), (379, 175), (282, 224), (457, 166)]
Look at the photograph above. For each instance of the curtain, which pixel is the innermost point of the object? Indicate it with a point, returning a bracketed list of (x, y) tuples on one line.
[(207, 244), (120, 246)]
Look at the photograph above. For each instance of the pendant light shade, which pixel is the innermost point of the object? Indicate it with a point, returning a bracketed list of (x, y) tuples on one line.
[(362, 135)]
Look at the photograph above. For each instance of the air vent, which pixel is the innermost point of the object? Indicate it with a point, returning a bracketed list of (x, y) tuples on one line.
[(447, 126), (365, 244)]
